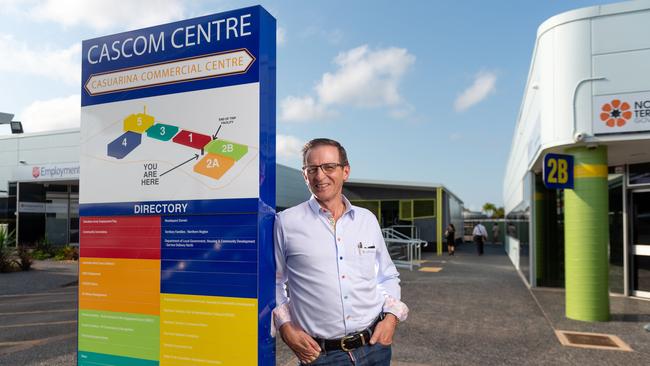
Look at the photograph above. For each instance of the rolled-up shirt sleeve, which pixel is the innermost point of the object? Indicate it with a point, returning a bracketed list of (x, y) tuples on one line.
[(281, 312), (388, 280)]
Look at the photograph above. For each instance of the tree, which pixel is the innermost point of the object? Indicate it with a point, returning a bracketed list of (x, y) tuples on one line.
[(499, 213), (489, 208)]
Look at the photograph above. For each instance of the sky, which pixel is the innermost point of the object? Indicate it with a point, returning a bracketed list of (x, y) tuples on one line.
[(417, 91)]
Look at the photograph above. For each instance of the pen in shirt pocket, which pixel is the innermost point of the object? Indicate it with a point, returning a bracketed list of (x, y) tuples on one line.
[(364, 248)]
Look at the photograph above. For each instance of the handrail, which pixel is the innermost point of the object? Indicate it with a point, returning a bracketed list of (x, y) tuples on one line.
[(415, 230), (405, 251)]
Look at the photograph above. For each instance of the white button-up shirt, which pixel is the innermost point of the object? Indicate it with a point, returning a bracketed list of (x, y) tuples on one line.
[(479, 230), (339, 275)]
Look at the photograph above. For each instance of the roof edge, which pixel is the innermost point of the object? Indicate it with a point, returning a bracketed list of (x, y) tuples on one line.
[(592, 12)]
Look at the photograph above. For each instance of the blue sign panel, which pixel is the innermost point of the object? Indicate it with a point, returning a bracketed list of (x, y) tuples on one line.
[(558, 171), (123, 145), (177, 196)]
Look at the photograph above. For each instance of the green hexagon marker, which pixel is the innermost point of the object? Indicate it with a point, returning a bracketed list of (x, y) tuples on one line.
[(226, 148), (162, 132)]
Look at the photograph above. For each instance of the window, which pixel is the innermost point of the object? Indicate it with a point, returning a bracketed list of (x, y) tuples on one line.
[(372, 206), (417, 209), (406, 210)]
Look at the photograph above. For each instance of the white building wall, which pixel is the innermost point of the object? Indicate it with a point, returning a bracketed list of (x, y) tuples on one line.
[(609, 41), (36, 149), (8, 161)]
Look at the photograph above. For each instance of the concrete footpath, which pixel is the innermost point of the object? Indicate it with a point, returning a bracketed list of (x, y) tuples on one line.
[(473, 311)]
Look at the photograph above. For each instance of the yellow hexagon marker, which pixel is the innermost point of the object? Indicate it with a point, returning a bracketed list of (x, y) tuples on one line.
[(138, 122)]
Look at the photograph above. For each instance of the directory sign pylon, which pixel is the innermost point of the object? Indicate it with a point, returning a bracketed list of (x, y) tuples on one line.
[(177, 193)]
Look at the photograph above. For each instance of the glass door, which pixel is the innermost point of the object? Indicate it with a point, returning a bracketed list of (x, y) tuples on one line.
[(56, 213), (616, 241), (641, 243)]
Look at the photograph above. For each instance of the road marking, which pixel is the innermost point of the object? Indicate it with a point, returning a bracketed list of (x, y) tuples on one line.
[(430, 269), (40, 312), (40, 302), (37, 324), (23, 345), (40, 294)]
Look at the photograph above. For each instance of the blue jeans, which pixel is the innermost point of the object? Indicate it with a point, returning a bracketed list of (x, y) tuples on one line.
[(368, 355)]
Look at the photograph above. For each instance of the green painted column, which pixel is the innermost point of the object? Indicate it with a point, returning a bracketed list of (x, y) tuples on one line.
[(439, 219), (586, 232)]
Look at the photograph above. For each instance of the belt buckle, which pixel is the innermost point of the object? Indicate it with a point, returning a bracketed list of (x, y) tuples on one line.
[(345, 338)]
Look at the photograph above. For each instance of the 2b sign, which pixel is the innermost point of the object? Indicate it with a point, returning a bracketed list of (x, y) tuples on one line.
[(558, 171)]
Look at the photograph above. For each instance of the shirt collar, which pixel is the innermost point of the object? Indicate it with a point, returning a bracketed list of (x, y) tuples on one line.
[(315, 206)]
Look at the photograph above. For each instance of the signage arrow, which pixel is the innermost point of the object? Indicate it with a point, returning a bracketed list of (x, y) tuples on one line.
[(218, 64), (214, 137), (195, 157)]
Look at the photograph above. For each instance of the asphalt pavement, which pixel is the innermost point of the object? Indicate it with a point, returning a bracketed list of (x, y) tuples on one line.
[(472, 311), (38, 315), (476, 310)]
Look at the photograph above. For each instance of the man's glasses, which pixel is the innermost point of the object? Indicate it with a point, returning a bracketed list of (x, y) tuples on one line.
[(327, 168)]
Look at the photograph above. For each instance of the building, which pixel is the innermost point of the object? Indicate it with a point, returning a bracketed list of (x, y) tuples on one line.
[(423, 210), (39, 192), (588, 96)]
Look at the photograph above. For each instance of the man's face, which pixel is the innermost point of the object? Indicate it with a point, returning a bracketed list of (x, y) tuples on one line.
[(326, 187)]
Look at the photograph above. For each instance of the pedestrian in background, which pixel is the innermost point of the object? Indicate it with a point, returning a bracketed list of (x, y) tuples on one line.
[(480, 236), (450, 236), (495, 233)]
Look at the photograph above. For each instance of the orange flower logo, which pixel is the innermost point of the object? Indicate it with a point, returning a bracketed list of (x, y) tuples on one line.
[(615, 113)]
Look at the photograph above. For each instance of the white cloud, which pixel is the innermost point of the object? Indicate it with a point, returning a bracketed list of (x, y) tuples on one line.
[(104, 14), (331, 36), (11, 6), (402, 111), (456, 136), (364, 78), (281, 36), (484, 85), (288, 147), (295, 109), (56, 64), (52, 114)]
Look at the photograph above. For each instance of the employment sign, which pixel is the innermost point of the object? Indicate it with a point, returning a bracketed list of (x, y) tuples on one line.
[(177, 193)]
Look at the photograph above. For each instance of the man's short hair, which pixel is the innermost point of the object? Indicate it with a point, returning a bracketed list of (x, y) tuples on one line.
[(343, 156)]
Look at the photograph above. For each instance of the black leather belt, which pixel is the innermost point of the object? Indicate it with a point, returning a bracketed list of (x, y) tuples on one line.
[(349, 342)]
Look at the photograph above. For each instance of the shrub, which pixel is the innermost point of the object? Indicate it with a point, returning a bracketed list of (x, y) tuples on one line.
[(7, 239), (45, 247), (25, 259), (41, 255), (68, 252)]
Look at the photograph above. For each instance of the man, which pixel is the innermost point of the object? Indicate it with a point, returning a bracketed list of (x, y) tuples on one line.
[(480, 236), (344, 295)]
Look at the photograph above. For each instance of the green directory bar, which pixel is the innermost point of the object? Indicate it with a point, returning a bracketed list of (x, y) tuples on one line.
[(162, 132), (227, 149), (121, 334)]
